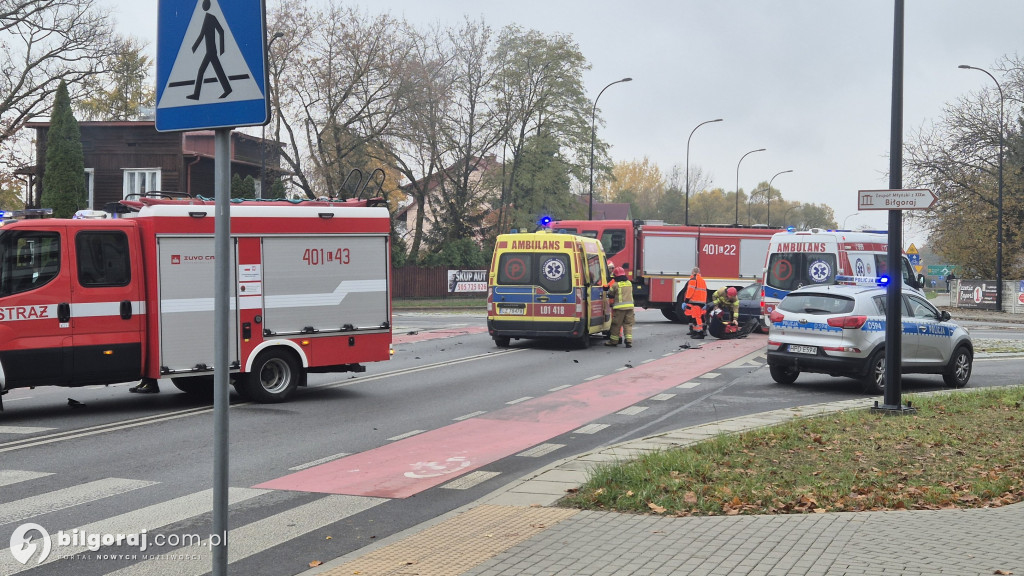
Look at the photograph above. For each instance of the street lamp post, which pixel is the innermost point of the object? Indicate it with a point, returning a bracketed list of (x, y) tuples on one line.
[(847, 218), (686, 212), (999, 205), (768, 206), (263, 131), (737, 223), (593, 126)]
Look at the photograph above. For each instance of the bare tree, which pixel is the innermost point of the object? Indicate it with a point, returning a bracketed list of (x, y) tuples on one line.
[(957, 157), (43, 42), (338, 85)]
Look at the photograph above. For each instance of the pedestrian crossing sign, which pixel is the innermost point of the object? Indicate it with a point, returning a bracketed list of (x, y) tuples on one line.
[(210, 65)]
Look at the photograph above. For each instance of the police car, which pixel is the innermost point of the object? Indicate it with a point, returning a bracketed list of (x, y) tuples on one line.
[(840, 330)]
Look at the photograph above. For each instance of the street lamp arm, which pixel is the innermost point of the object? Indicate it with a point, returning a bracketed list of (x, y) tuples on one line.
[(999, 209), (768, 201), (593, 139), (686, 210), (737, 223)]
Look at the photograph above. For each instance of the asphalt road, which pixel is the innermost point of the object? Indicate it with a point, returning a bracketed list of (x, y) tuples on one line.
[(450, 418)]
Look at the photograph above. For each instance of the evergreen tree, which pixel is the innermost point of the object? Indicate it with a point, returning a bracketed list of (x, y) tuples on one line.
[(64, 176)]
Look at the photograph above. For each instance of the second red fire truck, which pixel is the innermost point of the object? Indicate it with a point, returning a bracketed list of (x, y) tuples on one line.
[(659, 258)]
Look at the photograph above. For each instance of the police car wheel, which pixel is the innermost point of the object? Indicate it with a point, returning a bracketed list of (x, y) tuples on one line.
[(784, 375), (274, 376), (958, 372), (874, 381)]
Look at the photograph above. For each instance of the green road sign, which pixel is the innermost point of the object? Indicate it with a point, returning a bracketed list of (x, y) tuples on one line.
[(941, 269)]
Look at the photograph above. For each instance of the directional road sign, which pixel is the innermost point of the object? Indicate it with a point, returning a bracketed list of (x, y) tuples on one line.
[(895, 199), (210, 68)]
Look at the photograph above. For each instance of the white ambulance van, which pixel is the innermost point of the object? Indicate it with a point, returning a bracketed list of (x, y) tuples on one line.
[(820, 257)]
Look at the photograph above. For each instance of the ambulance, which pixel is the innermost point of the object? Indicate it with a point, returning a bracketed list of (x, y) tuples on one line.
[(106, 300), (545, 285), (818, 257)]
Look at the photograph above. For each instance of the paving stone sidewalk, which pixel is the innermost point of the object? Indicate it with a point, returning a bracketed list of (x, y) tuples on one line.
[(517, 531)]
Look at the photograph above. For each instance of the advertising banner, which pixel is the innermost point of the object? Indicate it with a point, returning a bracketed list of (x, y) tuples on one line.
[(979, 294), (460, 281)]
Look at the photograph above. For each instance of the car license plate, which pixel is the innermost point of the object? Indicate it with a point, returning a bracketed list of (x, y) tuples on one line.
[(514, 310), (796, 349)]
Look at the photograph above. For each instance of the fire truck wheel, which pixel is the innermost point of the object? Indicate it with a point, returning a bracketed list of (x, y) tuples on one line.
[(198, 386), (670, 314), (274, 376)]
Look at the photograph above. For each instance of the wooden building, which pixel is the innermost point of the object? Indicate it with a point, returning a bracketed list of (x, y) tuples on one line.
[(124, 158)]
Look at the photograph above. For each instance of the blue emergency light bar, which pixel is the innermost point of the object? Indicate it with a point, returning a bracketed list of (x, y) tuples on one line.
[(863, 280)]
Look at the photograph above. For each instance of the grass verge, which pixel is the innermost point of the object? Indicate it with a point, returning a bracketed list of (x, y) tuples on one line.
[(961, 450)]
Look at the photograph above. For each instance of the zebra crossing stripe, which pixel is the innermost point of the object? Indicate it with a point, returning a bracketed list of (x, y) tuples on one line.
[(147, 518), (8, 477), (66, 498), (251, 539)]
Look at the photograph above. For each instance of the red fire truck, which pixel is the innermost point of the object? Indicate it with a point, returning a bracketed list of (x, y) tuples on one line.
[(100, 301), (659, 257)]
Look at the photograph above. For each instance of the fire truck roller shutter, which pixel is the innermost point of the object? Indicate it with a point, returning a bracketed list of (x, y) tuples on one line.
[(325, 283)]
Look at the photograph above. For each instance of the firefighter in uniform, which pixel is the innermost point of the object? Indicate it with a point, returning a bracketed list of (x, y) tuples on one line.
[(695, 298), (622, 310), (725, 298)]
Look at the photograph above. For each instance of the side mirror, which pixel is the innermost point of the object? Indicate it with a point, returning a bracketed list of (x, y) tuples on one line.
[(944, 316)]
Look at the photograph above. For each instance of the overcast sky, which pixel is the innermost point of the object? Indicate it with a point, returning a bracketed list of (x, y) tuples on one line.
[(809, 80)]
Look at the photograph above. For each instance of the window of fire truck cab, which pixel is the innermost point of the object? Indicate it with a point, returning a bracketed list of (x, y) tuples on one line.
[(102, 258), (28, 260)]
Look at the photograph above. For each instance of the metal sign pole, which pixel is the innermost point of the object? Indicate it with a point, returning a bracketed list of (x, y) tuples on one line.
[(221, 323), (894, 261)]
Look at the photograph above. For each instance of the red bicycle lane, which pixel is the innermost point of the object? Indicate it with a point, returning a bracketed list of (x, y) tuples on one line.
[(412, 465)]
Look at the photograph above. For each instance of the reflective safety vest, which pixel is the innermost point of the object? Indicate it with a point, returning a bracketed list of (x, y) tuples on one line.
[(696, 290), (623, 293)]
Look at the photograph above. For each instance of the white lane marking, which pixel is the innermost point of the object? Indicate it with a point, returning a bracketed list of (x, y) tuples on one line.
[(470, 480), (594, 377), (320, 461), (23, 429), (562, 387), (251, 539), (68, 497), (518, 400), (540, 450), (148, 518), (709, 375), (406, 435), (665, 396), (648, 360), (590, 429), (687, 385), (101, 428), (470, 415), (632, 410), (8, 477)]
